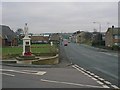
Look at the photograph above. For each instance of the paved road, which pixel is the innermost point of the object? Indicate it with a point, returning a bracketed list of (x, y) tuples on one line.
[(24, 77), (103, 64)]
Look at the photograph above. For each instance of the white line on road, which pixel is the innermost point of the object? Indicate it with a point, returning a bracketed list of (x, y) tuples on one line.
[(101, 79), (8, 74), (94, 78), (100, 82), (34, 73), (105, 86), (40, 73), (77, 84), (115, 86), (107, 82), (92, 75)]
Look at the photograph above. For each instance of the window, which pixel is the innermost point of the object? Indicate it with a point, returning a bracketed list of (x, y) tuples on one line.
[(116, 36), (117, 44)]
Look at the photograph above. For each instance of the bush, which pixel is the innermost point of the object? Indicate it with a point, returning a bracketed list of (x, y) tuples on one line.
[(115, 47)]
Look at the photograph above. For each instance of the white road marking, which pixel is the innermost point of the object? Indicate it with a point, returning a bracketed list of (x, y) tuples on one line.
[(94, 79), (40, 73), (30, 71), (88, 72), (6, 70), (34, 73), (77, 84), (92, 74), (96, 76), (79, 67), (100, 82), (105, 86), (89, 76), (101, 79), (8, 74), (107, 82), (115, 86)]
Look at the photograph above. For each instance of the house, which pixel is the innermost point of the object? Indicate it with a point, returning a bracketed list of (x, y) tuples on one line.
[(75, 37), (55, 38), (85, 37), (112, 37), (9, 38), (82, 37), (39, 39)]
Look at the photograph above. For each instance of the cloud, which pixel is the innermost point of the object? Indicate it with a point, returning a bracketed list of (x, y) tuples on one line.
[(59, 16)]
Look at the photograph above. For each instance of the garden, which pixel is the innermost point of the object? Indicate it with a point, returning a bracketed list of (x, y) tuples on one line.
[(9, 52)]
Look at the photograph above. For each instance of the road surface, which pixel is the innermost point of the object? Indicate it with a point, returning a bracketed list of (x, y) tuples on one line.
[(101, 63), (24, 77)]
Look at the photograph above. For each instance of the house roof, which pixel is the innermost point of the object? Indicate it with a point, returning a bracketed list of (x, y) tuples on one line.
[(113, 30), (55, 37), (7, 33), (39, 38)]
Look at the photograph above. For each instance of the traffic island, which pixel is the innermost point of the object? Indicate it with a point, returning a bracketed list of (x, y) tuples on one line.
[(32, 57), (25, 60), (47, 61)]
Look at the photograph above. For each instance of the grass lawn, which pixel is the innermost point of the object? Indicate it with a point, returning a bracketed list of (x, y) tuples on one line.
[(35, 48)]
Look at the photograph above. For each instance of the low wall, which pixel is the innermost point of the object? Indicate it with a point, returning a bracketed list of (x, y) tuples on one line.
[(47, 61), (41, 61), (44, 54)]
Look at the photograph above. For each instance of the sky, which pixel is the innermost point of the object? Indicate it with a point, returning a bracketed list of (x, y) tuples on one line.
[(57, 17)]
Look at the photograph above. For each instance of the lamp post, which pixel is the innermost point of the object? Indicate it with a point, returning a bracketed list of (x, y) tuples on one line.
[(99, 31)]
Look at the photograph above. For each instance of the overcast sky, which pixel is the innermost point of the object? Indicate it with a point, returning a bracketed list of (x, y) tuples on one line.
[(43, 17)]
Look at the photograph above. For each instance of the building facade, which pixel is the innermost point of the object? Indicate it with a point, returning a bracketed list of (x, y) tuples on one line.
[(112, 37)]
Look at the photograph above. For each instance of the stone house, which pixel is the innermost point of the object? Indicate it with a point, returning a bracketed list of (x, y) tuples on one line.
[(84, 37), (39, 39), (55, 38), (112, 37)]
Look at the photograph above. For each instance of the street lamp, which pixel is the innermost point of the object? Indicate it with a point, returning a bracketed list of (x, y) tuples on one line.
[(99, 25), (99, 31)]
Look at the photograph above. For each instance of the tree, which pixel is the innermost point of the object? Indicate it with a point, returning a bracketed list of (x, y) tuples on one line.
[(19, 31)]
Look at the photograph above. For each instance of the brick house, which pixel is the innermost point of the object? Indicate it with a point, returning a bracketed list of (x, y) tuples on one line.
[(112, 37)]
